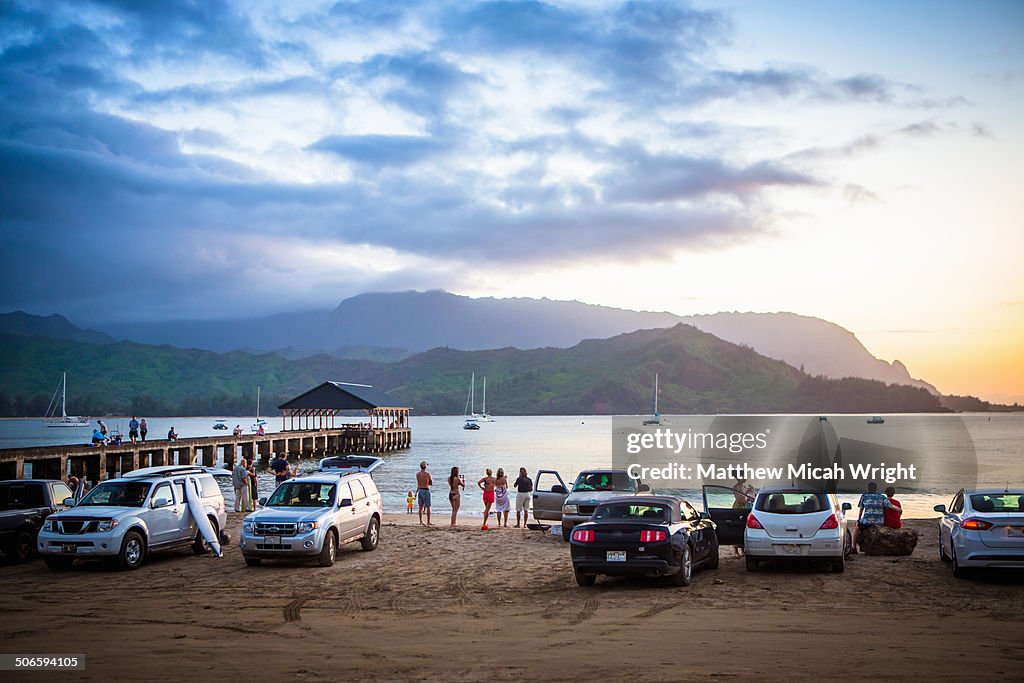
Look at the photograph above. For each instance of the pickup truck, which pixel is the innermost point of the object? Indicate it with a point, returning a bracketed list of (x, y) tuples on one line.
[(554, 502), (24, 506)]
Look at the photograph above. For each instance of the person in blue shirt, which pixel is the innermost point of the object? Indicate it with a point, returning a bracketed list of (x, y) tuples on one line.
[(133, 429), (872, 510), (97, 438)]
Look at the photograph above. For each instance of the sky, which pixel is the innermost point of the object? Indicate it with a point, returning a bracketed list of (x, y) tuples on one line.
[(859, 162)]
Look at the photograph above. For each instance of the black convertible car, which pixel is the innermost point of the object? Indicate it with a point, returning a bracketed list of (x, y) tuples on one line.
[(643, 536)]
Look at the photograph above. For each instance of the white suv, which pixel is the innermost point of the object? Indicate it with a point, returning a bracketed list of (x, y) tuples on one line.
[(311, 516), (125, 519), (788, 522)]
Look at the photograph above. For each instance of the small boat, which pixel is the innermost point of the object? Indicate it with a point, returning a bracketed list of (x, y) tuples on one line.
[(471, 424), (876, 420), (655, 418), (63, 420), (220, 424), (483, 416), (347, 464), (470, 411)]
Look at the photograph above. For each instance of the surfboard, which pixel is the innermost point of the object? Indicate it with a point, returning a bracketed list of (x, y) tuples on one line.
[(195, 506)]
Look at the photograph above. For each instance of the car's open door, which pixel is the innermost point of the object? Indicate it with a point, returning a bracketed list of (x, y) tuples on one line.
[(549, 493), (721, 505)]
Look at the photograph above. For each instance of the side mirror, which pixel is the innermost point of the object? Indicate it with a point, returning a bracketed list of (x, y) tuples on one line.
[(70, 502), (161, 503), (940, 508), (644, 488), (847, 506), (345, 503), (704, 515), (263, 501), (558, 488)]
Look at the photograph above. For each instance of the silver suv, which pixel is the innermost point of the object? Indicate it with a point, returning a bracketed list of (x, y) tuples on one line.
[(311, 516), (127, 518)]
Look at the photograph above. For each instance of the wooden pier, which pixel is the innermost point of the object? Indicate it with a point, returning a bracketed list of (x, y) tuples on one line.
[(96, 463)]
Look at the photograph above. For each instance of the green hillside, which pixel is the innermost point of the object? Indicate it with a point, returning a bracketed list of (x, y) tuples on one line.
[(698, 373)]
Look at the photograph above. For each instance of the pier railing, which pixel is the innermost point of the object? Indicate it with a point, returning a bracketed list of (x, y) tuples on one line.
[(96, 463)]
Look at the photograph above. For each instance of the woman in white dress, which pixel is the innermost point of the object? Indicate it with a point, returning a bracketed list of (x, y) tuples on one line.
[(501, 500)]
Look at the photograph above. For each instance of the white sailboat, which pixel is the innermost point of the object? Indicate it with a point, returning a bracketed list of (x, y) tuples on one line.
[(472, 417), (259, 423), (484, 416), (655, 418), (64, 420)]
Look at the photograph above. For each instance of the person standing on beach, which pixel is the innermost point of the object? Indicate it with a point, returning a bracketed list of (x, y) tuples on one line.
[(893, 519), (872, 511), (133, 429), (455, 480), (240, 482), (486, 485), (254, 489), (423, 483), (524, 489), (143, 429), (282, 472), (501, 502)]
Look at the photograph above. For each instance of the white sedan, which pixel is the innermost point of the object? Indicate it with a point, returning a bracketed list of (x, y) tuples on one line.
[(983, 528)]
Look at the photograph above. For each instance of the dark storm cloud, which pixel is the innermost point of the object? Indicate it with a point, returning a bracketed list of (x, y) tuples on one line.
[(99, 203)]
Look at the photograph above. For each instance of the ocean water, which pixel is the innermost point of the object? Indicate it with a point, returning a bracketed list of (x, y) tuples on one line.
[(570, 444)]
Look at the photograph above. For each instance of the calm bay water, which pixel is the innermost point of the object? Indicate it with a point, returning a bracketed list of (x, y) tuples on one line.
[(570, 444)]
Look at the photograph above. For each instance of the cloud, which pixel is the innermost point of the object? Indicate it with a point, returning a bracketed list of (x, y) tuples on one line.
[(155, 154)]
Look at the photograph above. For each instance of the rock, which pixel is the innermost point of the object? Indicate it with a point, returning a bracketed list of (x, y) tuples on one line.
[(880, 540)]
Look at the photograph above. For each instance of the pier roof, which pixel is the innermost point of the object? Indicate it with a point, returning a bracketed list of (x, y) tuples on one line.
[(342, 396)]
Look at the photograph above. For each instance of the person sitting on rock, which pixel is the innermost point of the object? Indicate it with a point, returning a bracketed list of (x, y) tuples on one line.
[(872, 506), (893, 515)]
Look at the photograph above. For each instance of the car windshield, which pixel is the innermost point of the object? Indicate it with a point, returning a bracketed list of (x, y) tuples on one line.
[(306, 494), (657, 513), (998, 502), (792, 502), (604, 481), (129, 494)]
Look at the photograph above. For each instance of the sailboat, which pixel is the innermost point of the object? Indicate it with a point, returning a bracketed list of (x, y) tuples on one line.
[(64, 420), (484, 416), (655, 418), (259, 423), (470, 410)]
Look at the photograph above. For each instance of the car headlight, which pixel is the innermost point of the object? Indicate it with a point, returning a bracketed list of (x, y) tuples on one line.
[(48, 525), (106, 524), (306, 527), (570, 509), (248, 527)]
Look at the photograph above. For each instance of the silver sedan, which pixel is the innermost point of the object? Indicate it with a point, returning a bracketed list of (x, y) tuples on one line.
[(983, 528)]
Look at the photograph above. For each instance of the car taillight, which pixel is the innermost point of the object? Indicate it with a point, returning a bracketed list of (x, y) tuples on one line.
[(830, 523), (583, 535), (652, 536), (976, 524), (752, 522)]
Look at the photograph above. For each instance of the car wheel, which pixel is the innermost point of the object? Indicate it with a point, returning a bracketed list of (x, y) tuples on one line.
[(942, 550), (372, 537), (584, 579), (713, 558), (330, 550), (752, 564), (58, 564), (252, 561), (199, 545), (847, 544), (24, 546), (958, 571), (839, 564), (133, 551), (566, 532), (685, 574)]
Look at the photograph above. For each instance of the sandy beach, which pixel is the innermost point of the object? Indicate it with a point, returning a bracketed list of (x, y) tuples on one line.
[(460, 605)]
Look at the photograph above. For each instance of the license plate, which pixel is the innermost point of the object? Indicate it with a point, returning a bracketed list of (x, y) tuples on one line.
[(791, 549), (69, 548), (1015, 531), (272, 540), (616, 555)]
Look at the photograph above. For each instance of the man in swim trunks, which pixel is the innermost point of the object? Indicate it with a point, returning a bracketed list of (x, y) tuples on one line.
[(423, 483)]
